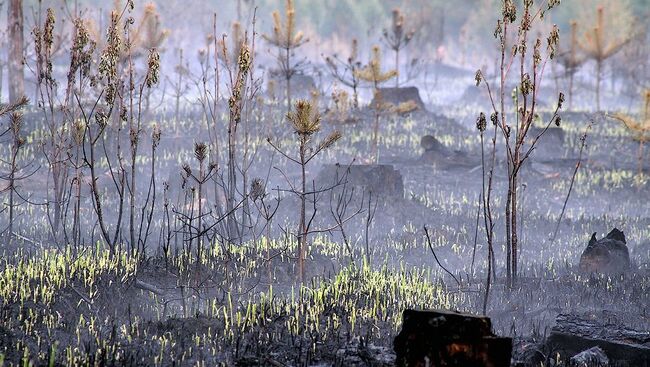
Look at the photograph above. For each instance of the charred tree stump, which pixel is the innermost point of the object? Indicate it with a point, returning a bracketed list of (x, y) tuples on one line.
[(445, 338), (396, 96)]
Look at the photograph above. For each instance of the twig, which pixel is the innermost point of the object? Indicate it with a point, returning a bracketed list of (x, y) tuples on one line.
[(426, 232), (583, 140)]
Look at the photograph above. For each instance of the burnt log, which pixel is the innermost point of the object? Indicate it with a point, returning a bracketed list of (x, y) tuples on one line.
[(622, 345), (446, 338)]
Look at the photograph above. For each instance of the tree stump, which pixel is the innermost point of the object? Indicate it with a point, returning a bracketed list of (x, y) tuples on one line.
[(445, 338), (607, 255), (396, 96)]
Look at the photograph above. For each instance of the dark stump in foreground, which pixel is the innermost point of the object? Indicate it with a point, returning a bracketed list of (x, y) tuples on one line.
[(382, 180), (445, 338), (623, 346)]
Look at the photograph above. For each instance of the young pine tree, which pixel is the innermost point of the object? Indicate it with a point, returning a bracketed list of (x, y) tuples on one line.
[(372, 73), (286, 38), (605, 39), (571, 60), (305, 122), (345, 71), (397, 37)]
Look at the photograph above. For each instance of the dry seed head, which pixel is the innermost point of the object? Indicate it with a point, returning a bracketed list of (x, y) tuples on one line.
[(478, 77), (257, 189), (553, 41), (101, 119), (552, 4), (134, 136), (558, 120), (498, 30), (526, 85), (153, 65), (48, 29), (509, 11), (124, 113), (537, 55), (560, 100), (481, 122), (244, 59), (82, 50), (109, 59), (494, 118), (155, 135)]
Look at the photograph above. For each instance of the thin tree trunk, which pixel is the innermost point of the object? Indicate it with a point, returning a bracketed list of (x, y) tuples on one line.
[(514, 239), (509, 227), (397, 68), (16, 44), (571, 76), (302, 241), (599, 66), (288, 77)]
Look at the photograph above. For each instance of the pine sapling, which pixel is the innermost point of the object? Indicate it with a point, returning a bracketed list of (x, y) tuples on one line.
[(398, 37), (286, 38), (305, 122), (373, 74)]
